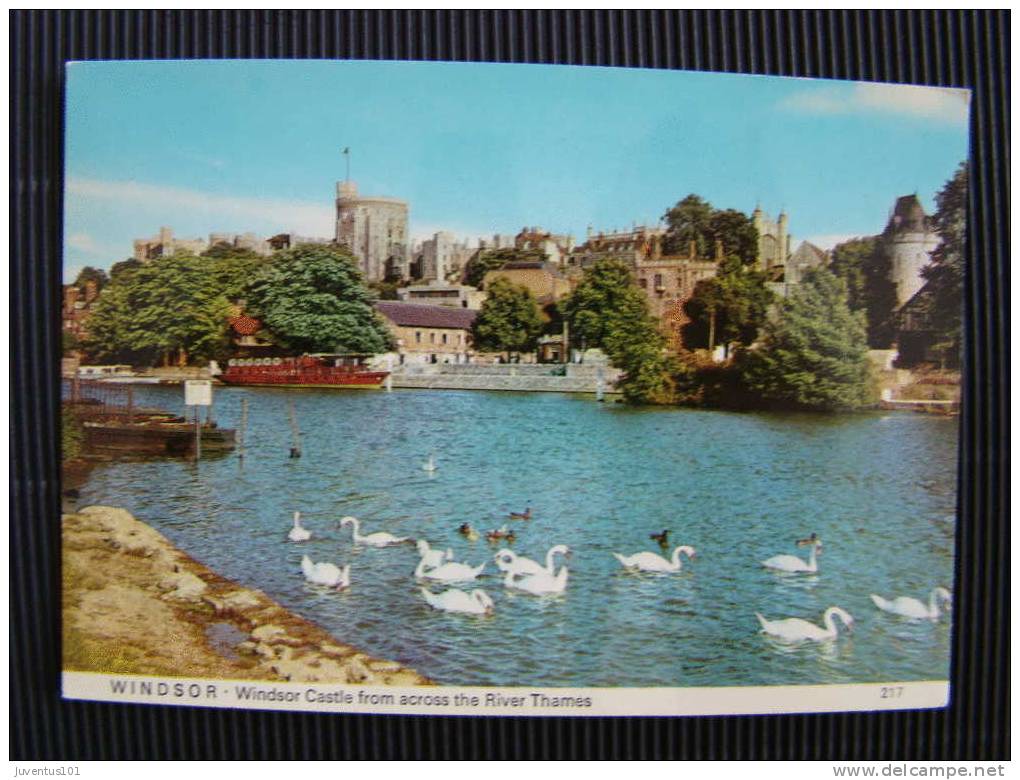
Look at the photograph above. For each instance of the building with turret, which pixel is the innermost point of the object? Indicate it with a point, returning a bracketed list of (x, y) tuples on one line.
[(774, 239), (908, 240), (374, 229)]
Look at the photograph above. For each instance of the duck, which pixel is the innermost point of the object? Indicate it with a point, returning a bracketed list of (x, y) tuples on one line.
[(378, 539), (793, 564), (328, 574), (477, 602), (797, 630), (507, 560), (429, 465), (649, 561), (538, 584), (448, 572), (299, 533), (432, 557), (466, 530), (501, 533), (525, 515), (809, 541), (662, 539), (913, 608)]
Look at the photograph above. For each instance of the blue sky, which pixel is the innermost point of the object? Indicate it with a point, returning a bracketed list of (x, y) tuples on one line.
[(237, 146)]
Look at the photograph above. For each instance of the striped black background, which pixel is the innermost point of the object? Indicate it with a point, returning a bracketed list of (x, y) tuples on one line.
[(960, 49)]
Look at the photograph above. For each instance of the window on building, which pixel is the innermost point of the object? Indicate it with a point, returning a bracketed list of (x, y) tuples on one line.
[(417, 337), (658, 281), (432, 338), (444, 338), (643, 283)]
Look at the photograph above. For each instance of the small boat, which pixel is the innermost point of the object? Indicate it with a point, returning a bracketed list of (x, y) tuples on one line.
[(319, 370)]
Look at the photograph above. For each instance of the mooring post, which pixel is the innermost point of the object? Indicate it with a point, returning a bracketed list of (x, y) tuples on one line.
[(295, 449), (198, 436), (600, 385), (389, 374), (130, 405), (243, 425)]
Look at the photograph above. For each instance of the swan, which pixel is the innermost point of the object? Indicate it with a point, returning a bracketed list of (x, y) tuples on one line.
[(507, 560), (432, 557), (326, 574), (649, 561), (429, 465), (797, 630), (299, 533), (378, 539), (538, 584), (791, 563), (448, 572), (475, 603), (912, 608)]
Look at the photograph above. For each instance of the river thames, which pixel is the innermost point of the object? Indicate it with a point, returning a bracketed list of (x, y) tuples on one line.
[(878, 488)]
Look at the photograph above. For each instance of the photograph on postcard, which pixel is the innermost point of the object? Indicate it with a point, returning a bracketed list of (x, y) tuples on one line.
[(509, 389)]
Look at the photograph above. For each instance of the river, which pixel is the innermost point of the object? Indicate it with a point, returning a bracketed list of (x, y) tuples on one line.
[(878, 488)]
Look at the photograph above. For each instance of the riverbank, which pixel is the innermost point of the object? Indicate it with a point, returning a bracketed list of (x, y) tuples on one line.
[(135, 604)]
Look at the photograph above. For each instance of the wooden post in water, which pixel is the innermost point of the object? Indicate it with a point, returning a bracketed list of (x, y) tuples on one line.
[(241, 428), (198, 436), (295, 449), (389, 375)]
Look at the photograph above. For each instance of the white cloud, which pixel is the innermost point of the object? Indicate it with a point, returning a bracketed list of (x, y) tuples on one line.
[(219, 212), (940, 104), (829, 240)]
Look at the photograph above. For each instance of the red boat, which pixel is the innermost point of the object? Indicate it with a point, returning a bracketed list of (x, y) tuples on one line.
[(303, 371)]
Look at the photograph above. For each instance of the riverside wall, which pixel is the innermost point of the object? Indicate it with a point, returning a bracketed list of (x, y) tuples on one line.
[(527, 378)]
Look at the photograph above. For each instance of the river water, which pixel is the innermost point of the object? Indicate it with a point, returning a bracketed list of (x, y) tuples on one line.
[(878, 488)]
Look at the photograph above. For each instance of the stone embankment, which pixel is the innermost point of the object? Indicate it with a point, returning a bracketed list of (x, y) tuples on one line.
[(545, 378), (135, 604)]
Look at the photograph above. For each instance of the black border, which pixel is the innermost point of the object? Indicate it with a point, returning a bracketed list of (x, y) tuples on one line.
[(948, 48)]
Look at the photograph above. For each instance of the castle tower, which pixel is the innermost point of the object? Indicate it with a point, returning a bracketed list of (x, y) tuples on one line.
[(773, 239), (908, 240), (374, 229)]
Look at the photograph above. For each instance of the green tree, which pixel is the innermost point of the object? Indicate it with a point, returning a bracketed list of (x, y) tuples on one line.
[(850, 262), (944, 273), (814, 354), (125, 267), (170, 309), (509, 320), (313, 299), (689, 220), (695, 219), (729, 308), (608, 311), (493, 259), (222, 250), (90, 274)]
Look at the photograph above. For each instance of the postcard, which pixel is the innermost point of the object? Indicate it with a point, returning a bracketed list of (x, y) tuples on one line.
[(476, 389)]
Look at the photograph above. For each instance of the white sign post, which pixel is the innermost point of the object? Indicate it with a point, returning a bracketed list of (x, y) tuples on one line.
[(198, 392)]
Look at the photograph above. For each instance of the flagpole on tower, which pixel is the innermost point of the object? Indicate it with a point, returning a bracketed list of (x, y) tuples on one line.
[(347, 157)]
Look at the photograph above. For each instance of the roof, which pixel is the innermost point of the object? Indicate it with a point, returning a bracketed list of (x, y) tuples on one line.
[(245, 326), (425, 315), (809, 253), (908, 214), (529, 265)]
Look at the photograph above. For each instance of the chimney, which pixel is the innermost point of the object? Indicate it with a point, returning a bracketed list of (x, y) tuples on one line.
[(692, 250), (91, 291)]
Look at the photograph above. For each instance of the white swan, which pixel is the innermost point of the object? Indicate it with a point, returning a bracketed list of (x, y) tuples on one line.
[(326, 574), (475, 603), (299, 533), (538, 584), (378, 539), (429, 465), (432, 557), (448, 572), (649, 561), (797, 630), (791, 563), (508, 560), (913, 608)]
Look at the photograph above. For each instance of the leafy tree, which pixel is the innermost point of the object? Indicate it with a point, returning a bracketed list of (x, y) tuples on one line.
[(173, 308), (313, 299), (493, 259), (814, 354), (864, 265), (233, 273), (608, 311), (125, 267), (944, 273), (90, 274), (222, 250), (737, 233), (695, 219), (689, 220), (385, 290), (509, 320), (729, 308)]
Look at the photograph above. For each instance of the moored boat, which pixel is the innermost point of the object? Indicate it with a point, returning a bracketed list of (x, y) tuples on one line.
[(337, 371)]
